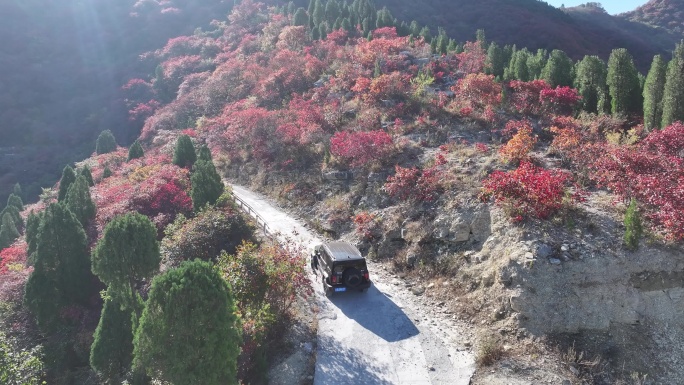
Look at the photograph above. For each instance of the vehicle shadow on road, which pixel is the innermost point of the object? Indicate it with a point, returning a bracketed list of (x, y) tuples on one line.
[(345, 366), (378, 313)]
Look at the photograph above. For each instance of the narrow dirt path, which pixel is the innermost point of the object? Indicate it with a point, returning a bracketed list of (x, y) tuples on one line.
[(382, 336)]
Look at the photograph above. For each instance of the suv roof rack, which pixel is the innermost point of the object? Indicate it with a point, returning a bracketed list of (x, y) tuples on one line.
[(342, 251)]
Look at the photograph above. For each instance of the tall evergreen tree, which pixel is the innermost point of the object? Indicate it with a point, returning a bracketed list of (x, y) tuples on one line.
[(170, 345), (204, 154), (332, 11), (207, 186), (590, 82), (79, 201), (61, 274), (17, 189), (15, 215), (536, 63), (425, 34), (15, 200), (8, 230), (318, 15), (623, 83), (414, 28), (495, 61), (558, 69), (673, 96), (88, 175), (184, 154), (111, 353), (32, 226), (135, 151), (654, 88), (68, 177), (518, 69), (300, 18), (309, 14), (127, 253), (105, 143)]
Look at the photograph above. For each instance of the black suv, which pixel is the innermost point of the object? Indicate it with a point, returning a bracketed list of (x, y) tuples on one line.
[(342, 266)]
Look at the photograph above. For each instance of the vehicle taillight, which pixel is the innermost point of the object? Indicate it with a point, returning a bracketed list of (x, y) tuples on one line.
[(365, 276), (334, 279)]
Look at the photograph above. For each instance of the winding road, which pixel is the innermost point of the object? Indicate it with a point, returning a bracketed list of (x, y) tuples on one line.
[(382, 336)]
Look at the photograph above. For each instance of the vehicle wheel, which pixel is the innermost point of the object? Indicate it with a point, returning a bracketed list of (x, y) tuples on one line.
[(352, 277)]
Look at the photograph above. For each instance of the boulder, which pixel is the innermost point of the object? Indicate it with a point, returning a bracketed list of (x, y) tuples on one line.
[(481, 225)]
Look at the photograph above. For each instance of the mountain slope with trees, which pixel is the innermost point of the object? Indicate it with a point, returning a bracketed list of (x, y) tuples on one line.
[(666, 14), (429, 153)]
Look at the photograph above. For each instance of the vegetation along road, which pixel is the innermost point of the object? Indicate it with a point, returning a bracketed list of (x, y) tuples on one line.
[(378, 337)]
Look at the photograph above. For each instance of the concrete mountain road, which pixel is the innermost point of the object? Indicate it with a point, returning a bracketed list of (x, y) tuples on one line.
[(375, 337)]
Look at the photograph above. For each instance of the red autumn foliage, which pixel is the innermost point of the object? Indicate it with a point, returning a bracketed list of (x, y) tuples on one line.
[(519, 146), (367, 225), (524, 97), (652, 172), (561, 100), (529, 191), (362, 148), (415, 184), (12, 256), (472, 59)]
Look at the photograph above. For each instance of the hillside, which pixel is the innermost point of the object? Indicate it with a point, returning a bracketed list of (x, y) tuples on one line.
[(554, 232), (535, 24), (666, 14)]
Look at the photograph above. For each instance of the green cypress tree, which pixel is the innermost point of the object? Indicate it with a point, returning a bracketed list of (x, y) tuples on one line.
[(536, 63), (623, 83), (207, 186), (332, 11), (32, 226), (673, 96), (591, 82), (654, 88), (481, 39), (15, 215), (425, 34), (106, 173), (88, 175), (184, 155), (318, 15), (79, 201), (136, 151), (558, 69), (105, 143), (17, 189), (68, 177), (300, 18), (204, 154), (518, 69), (15, 200), (8, 230), (323, 30), (633, 229), (495, 61), (414, 29), (169, 344), (127, 253), (61, 275), (111, 353), (309, 14)]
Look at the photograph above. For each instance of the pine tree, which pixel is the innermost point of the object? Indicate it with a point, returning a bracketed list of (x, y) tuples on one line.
[(170, 345), (15, 215), (106, 173), (17, 189), (536, 64), (633, 229), (88, 175), (673, 96), (68, 177), (623, 83), (558, 69), (300, 18), (8, 231), (136, 151), (591, 82), (309, 14), (32, 226), (204, 154), (15, 200), (61, 275), (332, 11), (127, 253), (184, 155), (425, 34), (518, 69), (481, 39), (318, 15), (105, 143), (79, 201), (111, 353), (207, 186), (653, 93), (495, 61), (414, 29)]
